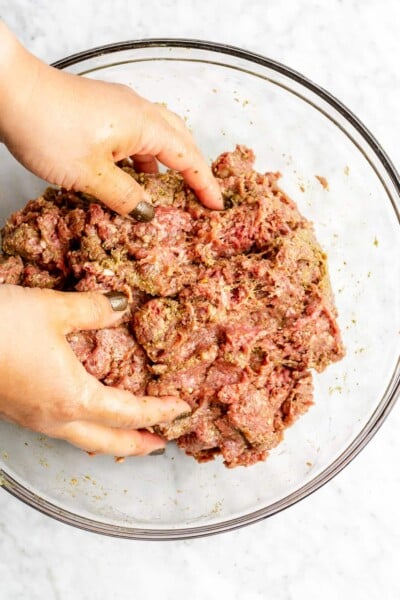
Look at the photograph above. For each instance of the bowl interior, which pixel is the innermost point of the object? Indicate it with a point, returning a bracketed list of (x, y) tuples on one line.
[(228, 99)]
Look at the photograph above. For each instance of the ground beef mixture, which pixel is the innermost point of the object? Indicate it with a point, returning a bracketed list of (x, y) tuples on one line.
[(229, 310)]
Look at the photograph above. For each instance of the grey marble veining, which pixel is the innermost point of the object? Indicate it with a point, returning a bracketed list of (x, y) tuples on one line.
[(342, 542)]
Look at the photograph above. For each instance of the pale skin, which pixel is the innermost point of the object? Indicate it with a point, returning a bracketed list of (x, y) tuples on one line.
[(70, 131)]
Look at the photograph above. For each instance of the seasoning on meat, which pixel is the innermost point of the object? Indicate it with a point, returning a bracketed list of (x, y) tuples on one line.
[(230, 310), (11, 269)]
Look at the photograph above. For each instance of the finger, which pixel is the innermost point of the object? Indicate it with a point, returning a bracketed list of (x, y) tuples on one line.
[(74, 311), (179, 151), (118, 190), (115, 407), (181, 154), (145, 163), (105, 440)]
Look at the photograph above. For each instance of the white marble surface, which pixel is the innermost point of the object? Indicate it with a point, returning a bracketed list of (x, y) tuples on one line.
[(343, 542)]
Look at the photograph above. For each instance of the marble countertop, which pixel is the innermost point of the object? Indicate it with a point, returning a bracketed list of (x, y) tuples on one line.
[(343, 541)]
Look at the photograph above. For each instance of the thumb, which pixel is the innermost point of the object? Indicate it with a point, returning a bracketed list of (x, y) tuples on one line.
[(120, 192), (75, 311)]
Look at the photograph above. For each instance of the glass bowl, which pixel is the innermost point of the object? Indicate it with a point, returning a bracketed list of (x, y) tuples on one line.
[(230, 96)]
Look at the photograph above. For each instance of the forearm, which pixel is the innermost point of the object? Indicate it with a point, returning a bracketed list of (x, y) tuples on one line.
[(18, 73)]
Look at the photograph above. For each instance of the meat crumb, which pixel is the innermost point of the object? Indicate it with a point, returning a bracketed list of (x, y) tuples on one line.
[(323, 181)]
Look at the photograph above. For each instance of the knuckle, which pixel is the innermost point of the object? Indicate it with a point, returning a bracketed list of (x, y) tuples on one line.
[(177, 120), (122, 87), (86, 397), (76, 402), (127, 190), (97, 307), (71, 178), (66, 410), (133, 190)]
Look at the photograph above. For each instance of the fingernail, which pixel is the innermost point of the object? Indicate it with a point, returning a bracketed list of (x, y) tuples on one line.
[(118, 301), (157, 452), (144, 212), (227, 203)]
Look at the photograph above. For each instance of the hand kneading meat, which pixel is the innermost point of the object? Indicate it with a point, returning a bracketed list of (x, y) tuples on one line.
[(229, 310)]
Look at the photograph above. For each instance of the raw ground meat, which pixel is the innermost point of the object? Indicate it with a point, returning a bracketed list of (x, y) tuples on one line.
[(230, 310)]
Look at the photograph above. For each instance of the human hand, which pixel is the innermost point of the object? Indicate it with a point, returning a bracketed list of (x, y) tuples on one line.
[(45, 388), (72, 130)]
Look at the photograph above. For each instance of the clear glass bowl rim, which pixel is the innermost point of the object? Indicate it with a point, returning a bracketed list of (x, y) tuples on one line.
[(382, 410)]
